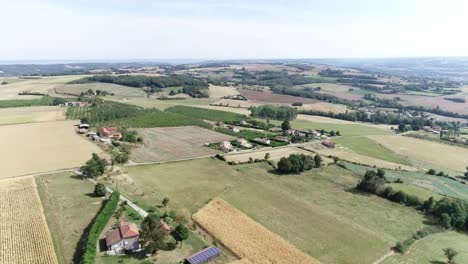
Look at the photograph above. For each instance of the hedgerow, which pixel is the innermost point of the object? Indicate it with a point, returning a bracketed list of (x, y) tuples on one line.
[(100, 222)]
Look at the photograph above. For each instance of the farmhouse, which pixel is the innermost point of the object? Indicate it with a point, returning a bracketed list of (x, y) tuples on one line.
[(124, 238), (244, 143), (110, 132), (264, 141), (206, 255), (225, 146), (234, 128), (328, 144)]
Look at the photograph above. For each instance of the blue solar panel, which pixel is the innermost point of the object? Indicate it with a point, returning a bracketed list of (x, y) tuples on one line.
[(204, 256)]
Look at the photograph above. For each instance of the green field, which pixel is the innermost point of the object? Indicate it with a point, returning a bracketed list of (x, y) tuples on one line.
[(345, 129), (207, 114), (69, 209), (368, 147), (44, 100), (437, 184), (422, 193), (159, 104), (316, 211), (429, 250)]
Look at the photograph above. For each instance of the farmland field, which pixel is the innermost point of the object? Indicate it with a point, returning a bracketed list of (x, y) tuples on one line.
[(217, 91), (175, 143), (24, 145), (429, 250), (268, 97), (324, 107), (25, 237), (318, 213), (69, 209), (159, 104), (42, 85), (18, 115), (246, 238), (207, 114), (368, 147), (429, 152), (275, 154), (118, 90), (189, 184)]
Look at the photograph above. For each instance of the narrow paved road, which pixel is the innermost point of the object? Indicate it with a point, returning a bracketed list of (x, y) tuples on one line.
[(135, 207)]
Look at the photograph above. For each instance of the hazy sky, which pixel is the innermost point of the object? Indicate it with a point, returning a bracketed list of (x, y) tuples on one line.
[(222, 29)]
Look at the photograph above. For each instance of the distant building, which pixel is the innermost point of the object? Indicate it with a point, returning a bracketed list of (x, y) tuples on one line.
[(83, 126), (124, 238), (225, 146), (328, 144), (244, 143), (264, 141), (220, 123), (205, 256), (110, 132)]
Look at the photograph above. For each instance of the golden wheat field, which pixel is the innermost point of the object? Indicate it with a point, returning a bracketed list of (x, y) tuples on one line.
[(245, 237), (24, 236)]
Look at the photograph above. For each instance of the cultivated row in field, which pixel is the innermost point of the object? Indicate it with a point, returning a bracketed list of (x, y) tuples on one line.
[(24, 236), (246, 238)]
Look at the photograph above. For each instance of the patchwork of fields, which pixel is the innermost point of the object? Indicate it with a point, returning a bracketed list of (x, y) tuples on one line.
[(24, 147), (24, 235)]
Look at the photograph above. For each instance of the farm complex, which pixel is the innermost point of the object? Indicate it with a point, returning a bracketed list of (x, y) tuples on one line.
[(234, 162)]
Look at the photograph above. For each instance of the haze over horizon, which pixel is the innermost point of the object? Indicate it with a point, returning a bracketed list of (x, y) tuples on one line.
[(87, 30)]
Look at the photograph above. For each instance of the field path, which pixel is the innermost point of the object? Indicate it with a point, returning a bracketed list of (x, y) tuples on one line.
[(381, 259)]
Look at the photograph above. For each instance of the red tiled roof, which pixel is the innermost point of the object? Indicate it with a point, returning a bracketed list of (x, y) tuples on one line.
[(113, 237), (125, 230)]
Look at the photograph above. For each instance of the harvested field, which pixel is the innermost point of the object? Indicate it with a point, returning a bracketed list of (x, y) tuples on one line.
[(429, 152), (118, 90), (242, 111), (268, 97), (325, 107), (275, 154), (18, 115), (172, 143), (356, 158), (42, 85), (245, 237), (323, 119), (217, 91), (25, 237), (41, 147), (160, 104)]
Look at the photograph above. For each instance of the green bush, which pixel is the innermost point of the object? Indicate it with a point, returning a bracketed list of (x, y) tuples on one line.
[(100, 222)]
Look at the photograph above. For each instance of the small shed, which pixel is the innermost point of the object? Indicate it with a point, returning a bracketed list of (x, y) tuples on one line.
[(206, 255)]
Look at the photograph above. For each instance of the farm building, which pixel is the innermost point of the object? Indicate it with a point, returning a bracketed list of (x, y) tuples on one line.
[(124, 238), (206, 255), (83, 126), (234, 128), (220, 123), (110, 132), (328, 144), (264, 141), (244, 143), (225, 146), (282, 139)]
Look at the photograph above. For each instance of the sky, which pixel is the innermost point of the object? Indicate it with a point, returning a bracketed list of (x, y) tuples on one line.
[(223, 29)]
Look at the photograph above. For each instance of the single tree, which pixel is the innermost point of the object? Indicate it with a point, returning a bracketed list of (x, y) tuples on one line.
[(285, 125), (322, 132), (180, 233), (267, 156), (338, 133), (99, 190), (431, 172), (332, 133), (172, 92), (318, 161), (165, 201), (152, 235), (381, 173), (450, 253)]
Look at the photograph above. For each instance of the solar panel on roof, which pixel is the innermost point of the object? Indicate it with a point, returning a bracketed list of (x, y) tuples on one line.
[(204, 256)]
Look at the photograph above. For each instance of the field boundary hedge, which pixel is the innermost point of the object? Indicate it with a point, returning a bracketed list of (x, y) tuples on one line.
[(100, 222)]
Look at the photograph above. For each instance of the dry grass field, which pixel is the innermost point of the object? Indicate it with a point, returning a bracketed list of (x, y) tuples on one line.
[(41, 147), (118, 90), (327, 120), (245, 237), (356, 158), (443, 155), (41, 85), (18, 115), (172, 143), (217, 91), (24, 235), (275, 154), (325, 107), (242, 111)]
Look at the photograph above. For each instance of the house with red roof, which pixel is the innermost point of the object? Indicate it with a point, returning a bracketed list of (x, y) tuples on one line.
[(124, 238), (110, 132)]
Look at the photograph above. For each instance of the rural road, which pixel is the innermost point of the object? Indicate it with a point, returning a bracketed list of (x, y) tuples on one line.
[(135, 207)]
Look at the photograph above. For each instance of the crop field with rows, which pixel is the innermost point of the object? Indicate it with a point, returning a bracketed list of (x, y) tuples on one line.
[(25, 237)]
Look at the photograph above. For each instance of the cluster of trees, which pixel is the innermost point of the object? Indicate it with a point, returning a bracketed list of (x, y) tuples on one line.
[(193, 86), (154, 237), (450, 213), (130, 136), (274, 112), (99, 190), (456, 99), (98, 92), (95, 166), (88, 255), (404, 245), (120, 153), (297, 163), (309, 93)]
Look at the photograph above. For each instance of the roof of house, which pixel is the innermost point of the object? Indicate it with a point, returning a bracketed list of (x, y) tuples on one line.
[(164, 225), (111, 130), (204, 255), (125, 230)]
